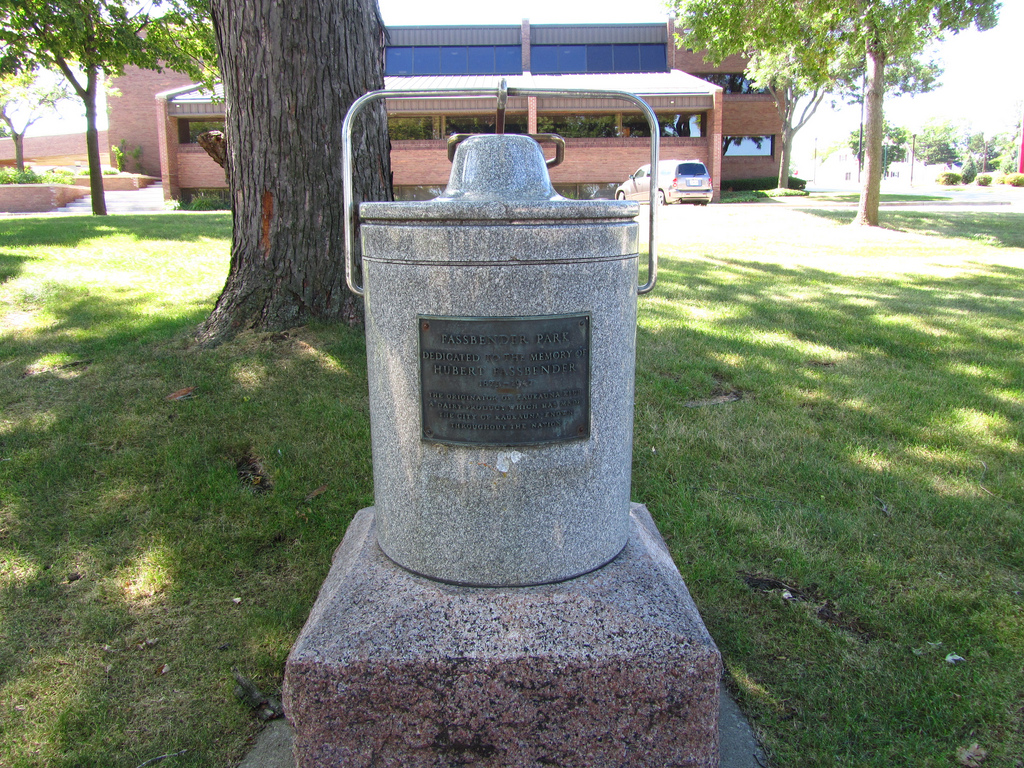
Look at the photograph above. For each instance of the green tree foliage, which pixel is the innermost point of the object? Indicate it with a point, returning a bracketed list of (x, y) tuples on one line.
[(895, 31), (970, 170), (90, 40), (941, 143), (895, 144), (25, 97), (790, 50), (830, 36)]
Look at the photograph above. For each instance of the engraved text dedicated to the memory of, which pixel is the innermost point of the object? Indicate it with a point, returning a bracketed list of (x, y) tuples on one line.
[(505, 380)]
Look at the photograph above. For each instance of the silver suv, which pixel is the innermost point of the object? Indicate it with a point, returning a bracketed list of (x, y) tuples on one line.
[(679, 181)]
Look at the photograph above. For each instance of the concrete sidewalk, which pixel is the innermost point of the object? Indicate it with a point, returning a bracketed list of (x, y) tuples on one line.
[(147, 200)]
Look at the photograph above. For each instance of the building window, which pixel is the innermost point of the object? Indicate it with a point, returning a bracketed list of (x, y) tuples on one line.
[(189, 130), (411, 128), (620, 57), (482, 124), (748, 146), (683, 126), (732, 82), (579, 126), (453, 60)]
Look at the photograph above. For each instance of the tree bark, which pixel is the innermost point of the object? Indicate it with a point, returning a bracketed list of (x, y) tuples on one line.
[(290, 72), (19, 150), (92, 145), (867, 209), (87, 93)]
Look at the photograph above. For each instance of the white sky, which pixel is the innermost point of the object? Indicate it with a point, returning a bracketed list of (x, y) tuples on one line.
[(982, 85)]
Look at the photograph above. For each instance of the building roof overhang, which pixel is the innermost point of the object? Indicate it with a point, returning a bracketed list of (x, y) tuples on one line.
[(673, 90), (662, 90)]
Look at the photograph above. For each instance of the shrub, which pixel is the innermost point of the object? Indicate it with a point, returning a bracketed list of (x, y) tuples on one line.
[(948, 178), (969, 171), (1014, 179), (57, 176), (206, 201), (12, 176), (765, 182), (118, 153), (984, 180)]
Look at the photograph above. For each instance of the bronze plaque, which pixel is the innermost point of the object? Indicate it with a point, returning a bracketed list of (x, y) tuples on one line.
[(505, 380)]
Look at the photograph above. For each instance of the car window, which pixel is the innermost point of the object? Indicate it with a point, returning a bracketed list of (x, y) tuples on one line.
[(691, 169), (640, 173)]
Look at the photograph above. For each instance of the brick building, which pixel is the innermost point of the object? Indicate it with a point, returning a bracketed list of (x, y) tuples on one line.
[(705, 112)]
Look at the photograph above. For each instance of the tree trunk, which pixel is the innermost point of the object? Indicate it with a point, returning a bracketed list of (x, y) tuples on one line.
[(19, 151), (785, 156), (784, 103), (92, 144), (867, 209), (290, 72)]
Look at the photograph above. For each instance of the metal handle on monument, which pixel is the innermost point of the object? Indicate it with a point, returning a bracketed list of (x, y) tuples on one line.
[(351, 211)]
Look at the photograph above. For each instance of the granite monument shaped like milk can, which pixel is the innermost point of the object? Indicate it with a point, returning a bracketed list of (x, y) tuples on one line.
[(500, 327), (503, 603)]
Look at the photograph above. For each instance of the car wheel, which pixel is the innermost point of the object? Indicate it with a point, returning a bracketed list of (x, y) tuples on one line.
[(620, 195), (661, 197)]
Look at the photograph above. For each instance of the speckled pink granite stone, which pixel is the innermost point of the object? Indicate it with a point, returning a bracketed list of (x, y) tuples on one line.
[(614, 668)]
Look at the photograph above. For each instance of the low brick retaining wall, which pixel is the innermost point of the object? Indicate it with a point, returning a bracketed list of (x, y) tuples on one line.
[(120, 183), (38, 198)]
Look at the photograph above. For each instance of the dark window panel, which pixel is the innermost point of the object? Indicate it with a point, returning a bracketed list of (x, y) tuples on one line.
[(732, 82), (682, 125), (635, 125), (544, 59), (405, 128), (600, 58), (579, 126), (508, 60), (426, 60), (748, 146), (627, 58), (454, 60), (480, 60), (652, 58), (398, 61), (572, 58)]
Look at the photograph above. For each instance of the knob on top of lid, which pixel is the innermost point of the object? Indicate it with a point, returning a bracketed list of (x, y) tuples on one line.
[(499, 167)]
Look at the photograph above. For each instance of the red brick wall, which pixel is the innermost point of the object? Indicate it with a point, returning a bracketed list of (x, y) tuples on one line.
[(62, 149), (750, 115), (196, 169), (749, 168), (37, 198), (694, 63), (587, 161), (132, 116)]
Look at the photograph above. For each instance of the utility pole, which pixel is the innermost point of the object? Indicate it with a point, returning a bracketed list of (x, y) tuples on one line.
[(1020, 149), (913, 156), (860, 137)]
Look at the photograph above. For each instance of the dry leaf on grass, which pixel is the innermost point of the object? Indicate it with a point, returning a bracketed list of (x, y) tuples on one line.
[(181, 394), (972, 756), (317, 492)]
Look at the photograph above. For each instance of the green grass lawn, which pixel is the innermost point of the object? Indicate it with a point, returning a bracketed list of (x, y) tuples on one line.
[(829, 430)]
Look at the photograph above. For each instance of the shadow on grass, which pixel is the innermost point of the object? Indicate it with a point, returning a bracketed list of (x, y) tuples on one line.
[(122, 519), (1005, 229), (870, 410), (10, 265), (84, 324), (875, 440), (72, 230)]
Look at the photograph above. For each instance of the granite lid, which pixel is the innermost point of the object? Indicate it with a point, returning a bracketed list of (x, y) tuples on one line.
[(496, 177)]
